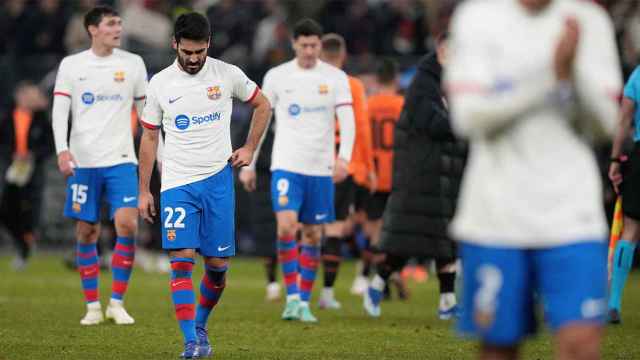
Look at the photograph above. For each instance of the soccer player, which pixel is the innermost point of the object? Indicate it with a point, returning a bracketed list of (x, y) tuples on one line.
[(334, 52), (626, 246), (384, 111), (530, 218), (100, 86), (307, 95), (192, 101)]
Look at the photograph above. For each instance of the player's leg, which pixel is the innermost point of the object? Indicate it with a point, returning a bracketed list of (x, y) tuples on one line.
[(498, 305), (83, 196), (271, 272), (286, 198), (334, 237), (317, 209), (572, 281), (180, 218), (374, 294), (121, 191), (621, 265), (217, 244), (363, 268), (263, 222), (448, 305)]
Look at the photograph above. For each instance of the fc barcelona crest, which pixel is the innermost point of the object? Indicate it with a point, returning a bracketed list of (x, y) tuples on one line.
[(76, 207), (323, 89), (214, 92), (171, 235), (118, 76)]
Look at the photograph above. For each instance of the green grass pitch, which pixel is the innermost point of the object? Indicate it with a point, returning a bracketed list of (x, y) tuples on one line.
[(40, 310)]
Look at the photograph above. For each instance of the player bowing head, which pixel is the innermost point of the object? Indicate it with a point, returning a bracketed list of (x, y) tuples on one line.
[(306, 42), (191, 40)]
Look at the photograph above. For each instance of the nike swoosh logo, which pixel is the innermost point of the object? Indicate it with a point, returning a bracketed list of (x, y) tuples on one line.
[(128, 199), (220, 248), (171, 101), (82, 78), (176, 284), (321, 216)]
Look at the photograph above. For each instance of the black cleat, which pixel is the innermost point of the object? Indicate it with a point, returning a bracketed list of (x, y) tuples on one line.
[(614, 317)]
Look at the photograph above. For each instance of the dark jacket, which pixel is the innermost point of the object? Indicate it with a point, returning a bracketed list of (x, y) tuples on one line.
[(427, 170)]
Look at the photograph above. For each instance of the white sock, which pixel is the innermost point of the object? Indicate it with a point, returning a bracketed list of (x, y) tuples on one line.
[(304, 303), (377, 283), (115, 302), (327, 293), (447, 301), (94, 305), (293, 297)]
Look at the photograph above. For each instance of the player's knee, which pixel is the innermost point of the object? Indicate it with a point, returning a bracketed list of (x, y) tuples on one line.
[(579, 342), (312, 234), (286, 228), (87, 233), (127, 226)]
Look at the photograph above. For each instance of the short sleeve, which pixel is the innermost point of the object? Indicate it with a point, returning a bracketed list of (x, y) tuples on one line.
[(152, 113), (64, 83), (269, 89), (140, 90), (343, 91), (244, 88), (631, 88)]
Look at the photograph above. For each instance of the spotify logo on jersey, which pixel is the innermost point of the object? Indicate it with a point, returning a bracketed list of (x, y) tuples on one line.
[(294, 109), (88, 98), (182, 122)]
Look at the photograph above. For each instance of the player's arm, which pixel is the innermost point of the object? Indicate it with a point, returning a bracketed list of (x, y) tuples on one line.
[(624, 126), (140, 90), (484, 98), (150, 120), (60, 119), (346, 120), (598, 79), (259, 122), (247, 175)]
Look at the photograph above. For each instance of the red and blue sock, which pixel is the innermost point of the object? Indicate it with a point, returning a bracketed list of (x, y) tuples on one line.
[(121, 266), (87, 261), (309, 259), (288, 258), (183, 297), (211, 287)]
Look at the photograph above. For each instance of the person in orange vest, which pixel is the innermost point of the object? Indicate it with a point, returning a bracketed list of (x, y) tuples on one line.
[(27, 141), (361, 171)]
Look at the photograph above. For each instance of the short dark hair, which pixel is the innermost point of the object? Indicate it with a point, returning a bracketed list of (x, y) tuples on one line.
[(192, 26), (333, 44), (307, 27), (443, 36), (387, 71), (95, 15)]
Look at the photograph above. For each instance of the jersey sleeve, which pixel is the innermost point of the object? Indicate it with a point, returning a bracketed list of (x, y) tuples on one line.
[(152, 113), (269, 89), (631, 90), (140, 87), (64, 83), (244, 88), (343, 90)]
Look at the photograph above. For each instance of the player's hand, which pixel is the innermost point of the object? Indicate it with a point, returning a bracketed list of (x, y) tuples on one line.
[(566, 49), (373, 182), (248, 179), (146, 207), (241, 157), (615, 175), (66, 163), (340, 171)]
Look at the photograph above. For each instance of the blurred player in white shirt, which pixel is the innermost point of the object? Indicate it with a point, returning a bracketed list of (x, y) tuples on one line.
[(530, 217), (192, 101), (307, 95), (99, 86)]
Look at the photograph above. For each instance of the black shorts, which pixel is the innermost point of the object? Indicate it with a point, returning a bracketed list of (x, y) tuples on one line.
[(375, 205), (362, 195), (631, 184), (344, 198)]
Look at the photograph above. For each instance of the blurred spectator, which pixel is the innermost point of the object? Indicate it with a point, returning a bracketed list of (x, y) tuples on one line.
[(354, 20), (232, 23), (26, 138), (76, 38), (271, 43), (400, 28)]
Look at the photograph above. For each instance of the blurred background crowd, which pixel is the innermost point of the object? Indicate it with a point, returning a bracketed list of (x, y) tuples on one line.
[(253, 34)]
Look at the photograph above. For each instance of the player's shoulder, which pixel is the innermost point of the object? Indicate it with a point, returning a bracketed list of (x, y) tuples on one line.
[(127, 55), (74, 59), (222, 67), (589, 13), (355, 83), (162, 76), (480, 9), (282, 69)]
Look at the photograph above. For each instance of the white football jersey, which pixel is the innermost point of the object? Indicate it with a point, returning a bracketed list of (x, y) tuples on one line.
[(195, 113), (531, 180), (102, 91), (305, 102)]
